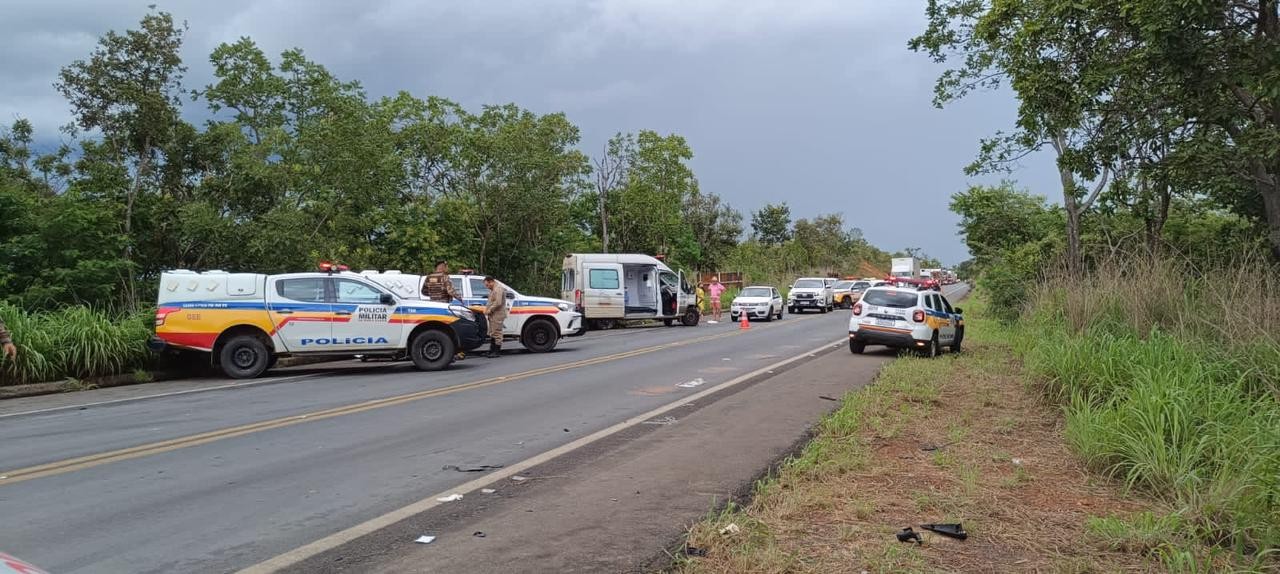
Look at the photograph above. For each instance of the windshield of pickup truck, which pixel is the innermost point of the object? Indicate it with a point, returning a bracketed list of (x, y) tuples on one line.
[(756, 292), (895, 299), (808, 284)]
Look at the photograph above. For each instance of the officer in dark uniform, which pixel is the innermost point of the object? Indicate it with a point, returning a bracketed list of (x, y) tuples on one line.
[(437, 286)]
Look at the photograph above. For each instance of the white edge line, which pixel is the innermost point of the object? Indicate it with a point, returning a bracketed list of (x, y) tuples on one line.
[(161, 395), (337, 539)]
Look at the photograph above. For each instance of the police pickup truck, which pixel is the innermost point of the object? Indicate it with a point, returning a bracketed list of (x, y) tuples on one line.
[(538, 323), (248, 320)]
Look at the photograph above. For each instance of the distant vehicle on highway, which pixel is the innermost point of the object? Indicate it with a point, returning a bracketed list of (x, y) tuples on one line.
[(846, 293), (810, 293), (906, 318), (246, 321), (757, 302), (623, 287)]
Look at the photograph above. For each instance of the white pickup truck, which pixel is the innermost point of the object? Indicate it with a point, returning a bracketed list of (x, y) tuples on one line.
[(538, 323), (248, 320)]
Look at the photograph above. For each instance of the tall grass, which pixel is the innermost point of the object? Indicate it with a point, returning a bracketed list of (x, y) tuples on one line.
[(73, 342), (1170, 379)]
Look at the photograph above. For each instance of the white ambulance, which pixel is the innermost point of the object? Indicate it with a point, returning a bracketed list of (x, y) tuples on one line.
[(538, 323), (248, 320), (621, 287)]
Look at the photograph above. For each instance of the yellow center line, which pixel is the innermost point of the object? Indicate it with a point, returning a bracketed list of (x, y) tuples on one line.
[(90, 461)]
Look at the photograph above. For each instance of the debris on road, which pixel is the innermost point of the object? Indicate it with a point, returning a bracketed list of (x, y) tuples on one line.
[(487, 491), (695, 551), (424, 539), (519, 478), (949, 530), (479, 468), (933, 447), (691, 384), (451, 498), (664, 421), (566, 430), (1016, 462), (826, 398), (730, 530), (478, 534), (909, 535)]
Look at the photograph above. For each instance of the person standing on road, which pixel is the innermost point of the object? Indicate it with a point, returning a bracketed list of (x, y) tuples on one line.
[(702, 298), (437, 286), (714, 291), (6, 343), (495, 311)]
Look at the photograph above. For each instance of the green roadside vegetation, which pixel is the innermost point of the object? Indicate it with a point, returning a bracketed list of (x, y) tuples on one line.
[(74, 343), (1073, 440)]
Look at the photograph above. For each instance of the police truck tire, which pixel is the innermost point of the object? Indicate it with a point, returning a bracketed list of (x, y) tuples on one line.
[(690, 318), (668, 322), (539, 336), (244, 357), (431, 350), (857, 347)]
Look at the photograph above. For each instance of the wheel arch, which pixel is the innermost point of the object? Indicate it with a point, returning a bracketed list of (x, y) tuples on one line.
[(237, 330), (541, 317), (434, 326)]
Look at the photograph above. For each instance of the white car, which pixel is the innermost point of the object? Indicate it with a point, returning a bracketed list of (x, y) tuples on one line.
[(759, 302), (810, 293), (905, 318)]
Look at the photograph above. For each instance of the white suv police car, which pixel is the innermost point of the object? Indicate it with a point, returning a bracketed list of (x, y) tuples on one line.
[(905, 318)]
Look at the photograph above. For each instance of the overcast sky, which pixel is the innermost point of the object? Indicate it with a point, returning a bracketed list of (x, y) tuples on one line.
[(817, 103)]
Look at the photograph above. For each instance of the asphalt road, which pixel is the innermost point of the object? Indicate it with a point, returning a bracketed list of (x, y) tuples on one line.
[(221, 480)]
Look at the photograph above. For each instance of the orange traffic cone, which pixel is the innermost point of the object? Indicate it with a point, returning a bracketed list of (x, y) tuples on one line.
[(745, 324)]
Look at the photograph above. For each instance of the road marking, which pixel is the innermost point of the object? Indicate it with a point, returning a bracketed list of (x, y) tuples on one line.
[(90, 461), (337, 539)]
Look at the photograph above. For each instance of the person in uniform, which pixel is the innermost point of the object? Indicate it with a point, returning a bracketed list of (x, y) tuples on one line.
[(495, 311), (437, 286), (6, 342)]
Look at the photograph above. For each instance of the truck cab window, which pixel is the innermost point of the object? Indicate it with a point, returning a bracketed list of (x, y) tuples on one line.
[(308, 290), (357, 293), (457, 285), (477, 287)]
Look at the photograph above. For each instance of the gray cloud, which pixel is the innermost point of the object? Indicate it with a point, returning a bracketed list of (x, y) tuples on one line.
[(817, 103)]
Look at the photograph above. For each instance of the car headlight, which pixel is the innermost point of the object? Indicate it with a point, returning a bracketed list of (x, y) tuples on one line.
[(462, 312), (563, 306)]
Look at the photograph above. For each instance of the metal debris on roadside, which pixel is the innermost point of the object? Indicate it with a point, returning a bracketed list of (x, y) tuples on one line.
[(909, 535), (424, 539), (950, 530), (695, 551), (478, 534), (478, 468), (451, 498), (825, 397), (518, 478), (730, 530)]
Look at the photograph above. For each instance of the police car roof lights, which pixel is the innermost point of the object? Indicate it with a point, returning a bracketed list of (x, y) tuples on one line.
[(328, 267)]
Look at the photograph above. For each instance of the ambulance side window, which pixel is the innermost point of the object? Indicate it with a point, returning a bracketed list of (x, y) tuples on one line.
[(308, 290)]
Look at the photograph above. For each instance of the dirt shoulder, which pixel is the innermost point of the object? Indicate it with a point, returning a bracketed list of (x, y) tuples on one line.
[(955, 439)]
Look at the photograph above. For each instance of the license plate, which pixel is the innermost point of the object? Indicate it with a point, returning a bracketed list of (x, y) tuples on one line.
[(884, 322)]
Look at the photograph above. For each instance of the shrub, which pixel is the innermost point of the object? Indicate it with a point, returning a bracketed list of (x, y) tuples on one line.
[(73, 342)]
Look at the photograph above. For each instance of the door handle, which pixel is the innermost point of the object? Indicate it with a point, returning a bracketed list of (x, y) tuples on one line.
[(283, 311), (343, 313)]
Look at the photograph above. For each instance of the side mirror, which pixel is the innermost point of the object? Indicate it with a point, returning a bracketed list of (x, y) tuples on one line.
[(511, 295), (387, 299), (959, 311)]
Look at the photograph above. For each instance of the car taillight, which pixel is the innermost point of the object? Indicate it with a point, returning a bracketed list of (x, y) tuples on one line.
[(918, 316), (577, 297), (163, 313), (857, 309)]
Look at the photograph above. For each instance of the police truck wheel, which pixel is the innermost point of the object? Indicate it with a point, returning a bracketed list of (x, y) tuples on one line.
[(539, 336), (244, 357), (668, 322), (857, 347), (690, 318), (431, 350)]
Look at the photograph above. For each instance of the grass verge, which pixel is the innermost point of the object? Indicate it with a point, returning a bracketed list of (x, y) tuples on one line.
[(963, 439), (73, 343)]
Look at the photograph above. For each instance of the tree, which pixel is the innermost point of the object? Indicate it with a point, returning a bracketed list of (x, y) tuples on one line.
[(996, 220), (611, 170), (771, 224), (716, 228), (128, 90), (647, 211)]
